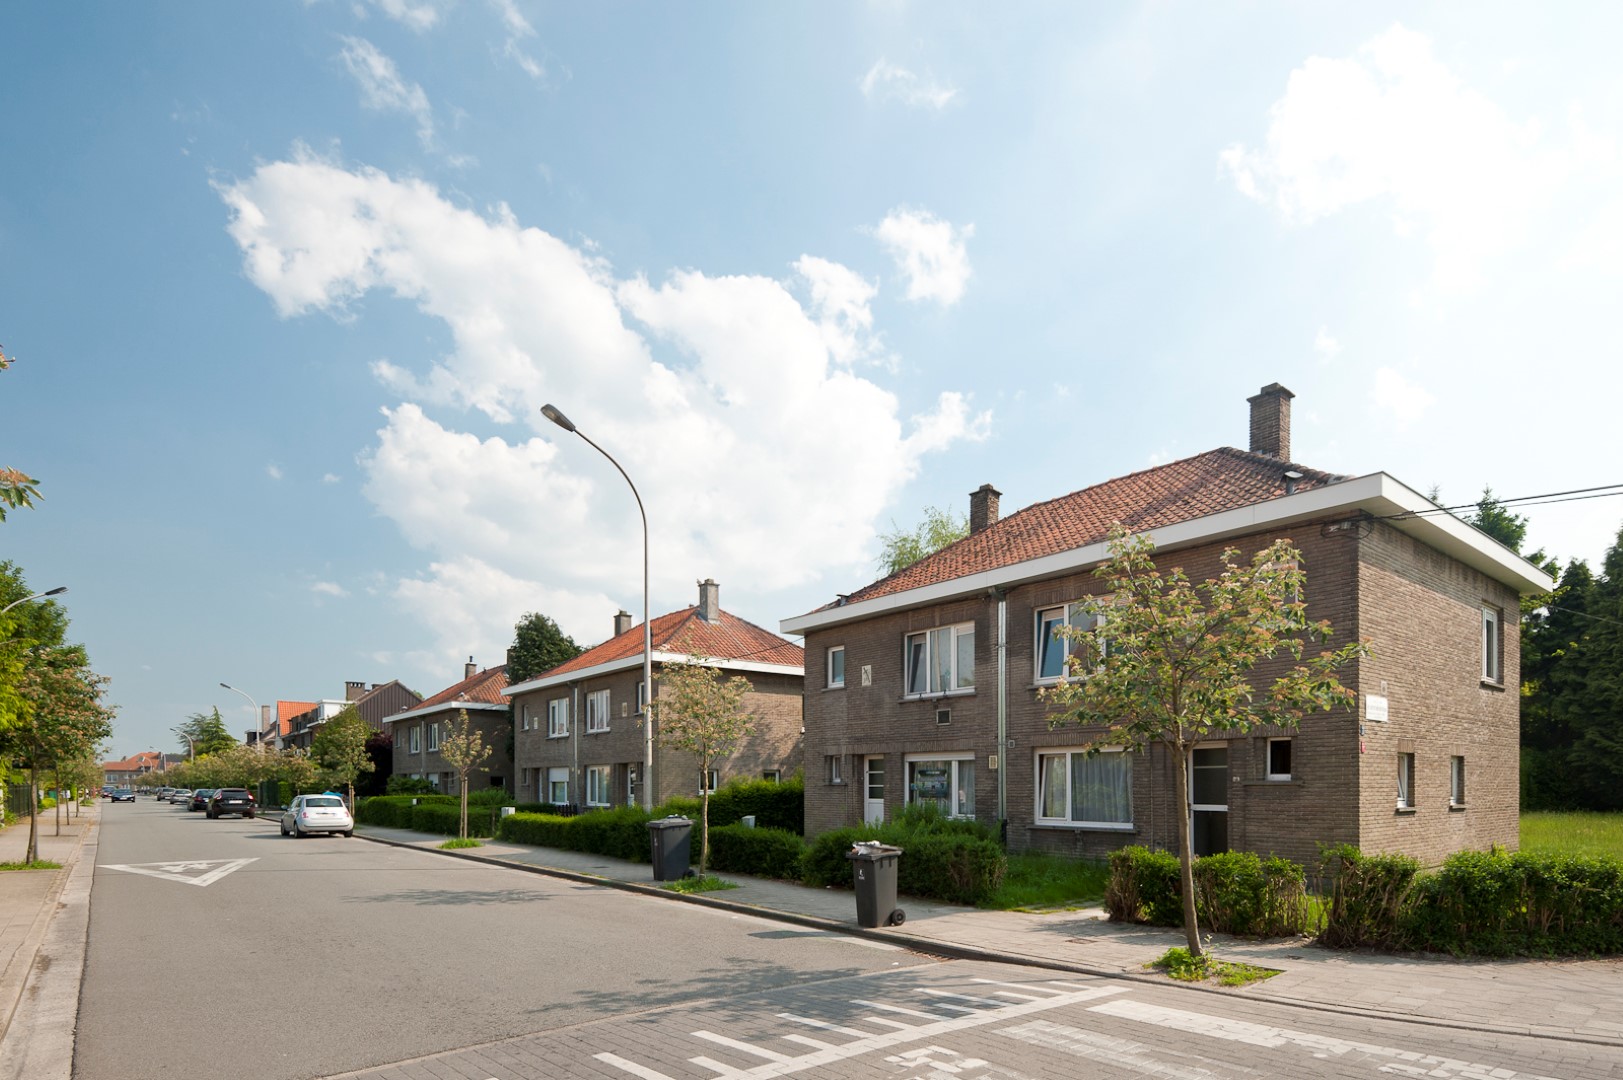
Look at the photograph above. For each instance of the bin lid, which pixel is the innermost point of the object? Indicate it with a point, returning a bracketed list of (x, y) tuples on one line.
[(871, 849), (672, 822)]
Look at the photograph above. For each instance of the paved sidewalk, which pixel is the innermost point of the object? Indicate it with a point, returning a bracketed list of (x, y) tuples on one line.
[(1571, 999)]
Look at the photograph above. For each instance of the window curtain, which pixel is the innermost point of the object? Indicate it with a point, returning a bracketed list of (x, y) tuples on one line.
[(1101, 788)]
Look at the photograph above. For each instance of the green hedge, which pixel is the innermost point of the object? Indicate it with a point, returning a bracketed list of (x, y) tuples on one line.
[(620, 833), (1368, 895), (1236, 892), (773, 853), (447, 820), (1144, 886), (394, 811), (942, 859)]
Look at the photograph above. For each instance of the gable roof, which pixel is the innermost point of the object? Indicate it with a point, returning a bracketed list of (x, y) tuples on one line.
[(733, 642), (287, 710), (482, 690)]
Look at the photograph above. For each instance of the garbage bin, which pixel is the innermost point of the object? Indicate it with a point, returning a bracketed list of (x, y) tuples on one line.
[(668, 839), (873, 865)]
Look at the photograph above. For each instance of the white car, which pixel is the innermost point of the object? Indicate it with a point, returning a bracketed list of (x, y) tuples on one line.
[(317, 813)]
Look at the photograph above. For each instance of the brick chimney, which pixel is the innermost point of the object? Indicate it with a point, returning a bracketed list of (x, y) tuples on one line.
[(709, 601), (354, 691), (470, 669), (1271, 422), (983, 507), (622, 622)]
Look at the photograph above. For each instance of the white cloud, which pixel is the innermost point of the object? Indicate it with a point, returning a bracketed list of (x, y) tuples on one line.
[(273, 471), (1405, 401), (329, 478), (1326, 346), (888, 82), (518, 29), (929, 252), (329, 588), (762, 457), (383, 89), (1394, 123), (419, 15)]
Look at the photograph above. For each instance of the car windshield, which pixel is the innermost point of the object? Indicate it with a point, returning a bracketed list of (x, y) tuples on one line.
[(327, 800)]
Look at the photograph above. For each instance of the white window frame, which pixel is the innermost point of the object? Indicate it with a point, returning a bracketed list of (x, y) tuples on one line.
[(555, 776), (642, 697), (599, 783), (1492, 646), (774, 775), (1456, 780), (836, 768), (633, 782), (835, 683), (709, 780), (1075, 614), (929, 646), (1069, 752), (1406, 778), (558, 718), (434, 737), (527, 720), (957, 759), (416, 739), (597, 711), (1268, 765)]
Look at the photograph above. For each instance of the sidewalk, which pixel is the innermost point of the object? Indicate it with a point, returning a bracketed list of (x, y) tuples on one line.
[(1578, 1000)]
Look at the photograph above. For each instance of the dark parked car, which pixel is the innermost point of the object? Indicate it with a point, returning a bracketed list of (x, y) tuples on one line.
[(122, 794), (231, 800), (199, 799)]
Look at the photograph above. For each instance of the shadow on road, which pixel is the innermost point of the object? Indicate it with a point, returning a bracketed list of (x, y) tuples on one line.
[(451, 897)]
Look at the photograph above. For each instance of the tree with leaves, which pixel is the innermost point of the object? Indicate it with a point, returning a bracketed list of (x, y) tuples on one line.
[(538, 646), (17, 489), (698, 711), (207, 734), (23, 629), (464, 749), (64, 717), (339, 750), (1169, 662), (901, 548)]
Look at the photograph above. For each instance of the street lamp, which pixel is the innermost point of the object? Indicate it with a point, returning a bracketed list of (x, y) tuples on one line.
[(58, 591), (259, 717), (191, 747), (551, 413)]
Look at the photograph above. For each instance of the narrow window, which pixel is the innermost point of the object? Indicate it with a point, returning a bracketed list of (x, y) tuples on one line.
[(633, 782), (558, 786), (1456, 781), (557, 718), (836, 769), (417, 738), (433, 737), (1490, 645), (836, 666), (597, 711), (1405, 781), (1279, 759), (708, 780)]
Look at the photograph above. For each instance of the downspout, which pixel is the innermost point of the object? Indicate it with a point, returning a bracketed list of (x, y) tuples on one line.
[(575, 722), (1002, 596)]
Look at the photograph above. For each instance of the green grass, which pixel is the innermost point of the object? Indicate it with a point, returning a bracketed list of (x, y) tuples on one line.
[(1039, 882), (699, 884), (1575, 833), (1179, 964), (461, 842), (37, 864)]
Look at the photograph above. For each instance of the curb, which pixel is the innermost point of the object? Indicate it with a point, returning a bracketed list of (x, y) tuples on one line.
[(953, 951)]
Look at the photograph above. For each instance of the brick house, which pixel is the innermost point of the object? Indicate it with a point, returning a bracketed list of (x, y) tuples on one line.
[(417, 732), (123, 773), (923, 686), (375, 703), (578, 728)]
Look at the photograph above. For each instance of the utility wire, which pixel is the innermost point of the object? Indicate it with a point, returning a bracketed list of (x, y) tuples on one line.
[(1600, 492)]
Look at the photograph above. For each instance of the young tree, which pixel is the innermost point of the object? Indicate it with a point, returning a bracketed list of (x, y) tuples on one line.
[(699, 712), (1169, 662), (339, 749), (464, 750), (63, 718), (900, 548)]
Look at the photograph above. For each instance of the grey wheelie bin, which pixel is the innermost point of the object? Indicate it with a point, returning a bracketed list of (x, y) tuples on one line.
[(668, 839), (874, 867)]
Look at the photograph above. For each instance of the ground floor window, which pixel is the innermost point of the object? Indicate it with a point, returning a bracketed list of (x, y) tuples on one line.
[(946, 783), (1405, 781), (1076, 789), (558, 786), (633, 783), (1279, 759), (708, 780), (597, 785), (1456, 781)]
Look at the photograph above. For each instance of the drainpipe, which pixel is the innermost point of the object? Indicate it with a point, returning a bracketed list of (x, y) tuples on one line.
[(1002, 596), (575, 722)]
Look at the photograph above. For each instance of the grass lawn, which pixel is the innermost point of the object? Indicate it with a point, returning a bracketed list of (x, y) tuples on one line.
[(1045, 882), (1579, 832)]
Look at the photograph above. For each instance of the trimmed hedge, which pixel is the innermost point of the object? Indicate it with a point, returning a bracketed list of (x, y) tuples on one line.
[(394, 811), (942, 858), (1368, 894), (447, 820), (773, 853), (621, 833), (1236, 892)]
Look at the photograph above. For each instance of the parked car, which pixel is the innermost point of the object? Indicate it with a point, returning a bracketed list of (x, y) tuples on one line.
[(199, 799), (179, 796), (317, 813), (122, 794), (163, 794), (231, 800)]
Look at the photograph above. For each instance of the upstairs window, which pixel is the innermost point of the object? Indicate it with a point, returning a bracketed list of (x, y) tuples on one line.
[(1456, 781), (940, 661), (1405, 781), (1490, 646), (433, 737), (557, 718), (417, 738), (836, 666), (1279, 759), (1054, 646), (597, 711)]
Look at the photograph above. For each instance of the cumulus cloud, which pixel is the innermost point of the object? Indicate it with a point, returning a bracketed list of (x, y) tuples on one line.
[(889, 82), (762, 456), (1404, 401), (1394, 123), (929, 252), (384, 90)]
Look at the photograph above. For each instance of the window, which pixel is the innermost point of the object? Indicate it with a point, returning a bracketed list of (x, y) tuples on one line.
[(558, 786), (1490, 645), (774, 775), (1456, 781), (557, 717), (417, 738), (708, 780), (1279, 759), (941, 661), (433, 737), (1076, 789), (948, 784), (524, 717), (1053, 646), (597, 711), (633, 783), (836, 769), (1405, 781), (597, 785), (642, 697), (836, 666)]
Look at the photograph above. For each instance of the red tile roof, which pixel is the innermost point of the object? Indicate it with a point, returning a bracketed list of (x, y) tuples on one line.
[(483, 688), (685, 632), (1209, 483)]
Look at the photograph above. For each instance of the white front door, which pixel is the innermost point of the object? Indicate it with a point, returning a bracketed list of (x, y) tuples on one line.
[(873, 780)]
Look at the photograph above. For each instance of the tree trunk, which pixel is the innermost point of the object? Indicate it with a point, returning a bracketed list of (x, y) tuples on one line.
[(1186, 858), (32, 854), (463, 783), (704, 819)]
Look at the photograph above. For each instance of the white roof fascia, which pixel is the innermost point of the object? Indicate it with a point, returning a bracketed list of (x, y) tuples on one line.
[(444, 706), (1378, 494), (658, 656)]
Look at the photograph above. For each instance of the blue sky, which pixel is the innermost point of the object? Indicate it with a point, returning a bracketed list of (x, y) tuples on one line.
[(287, 284)]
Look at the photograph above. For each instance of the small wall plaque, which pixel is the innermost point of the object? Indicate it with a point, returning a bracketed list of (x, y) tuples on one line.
[(1375, 708)]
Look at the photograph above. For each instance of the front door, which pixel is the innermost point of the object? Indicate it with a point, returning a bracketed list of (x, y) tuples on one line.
[(873, 781), (1209, 799)]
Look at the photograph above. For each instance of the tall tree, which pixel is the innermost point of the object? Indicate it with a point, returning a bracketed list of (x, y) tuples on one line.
[(464, 749), (64, 717), (1171, 663), (1593, 703), (1492, 518), (17, 489), (901, 548), (538, 646), (1553, 688), (207, 732), (22, 629), (339, 750), (698, 711)]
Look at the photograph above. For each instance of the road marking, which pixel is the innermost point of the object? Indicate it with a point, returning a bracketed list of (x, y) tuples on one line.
[(184, 872), (741, 1046), (1092, 1046)]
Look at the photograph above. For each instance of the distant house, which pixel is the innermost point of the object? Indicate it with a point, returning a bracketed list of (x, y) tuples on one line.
[(375, 703), (418, 732), (579, 728), (923, 687), (123, 773)]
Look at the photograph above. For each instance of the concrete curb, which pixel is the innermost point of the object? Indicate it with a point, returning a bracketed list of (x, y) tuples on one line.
[(954, 951)]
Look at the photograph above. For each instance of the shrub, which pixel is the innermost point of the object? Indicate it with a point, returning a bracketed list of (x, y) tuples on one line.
[(773, 853), (47, 803), (621, 833), (491, 796), (1368, 897), (394, 811), (446, 820), (824, 862), (1236, 892), (407, 785), (556, 809), (775, 805), (943, 858), (1501, 904), (1144, 886)]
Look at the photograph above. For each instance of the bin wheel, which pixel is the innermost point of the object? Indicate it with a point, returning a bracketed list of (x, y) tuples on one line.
[(898, 917)]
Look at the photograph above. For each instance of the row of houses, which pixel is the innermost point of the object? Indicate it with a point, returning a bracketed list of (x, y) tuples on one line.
[(923, 687)]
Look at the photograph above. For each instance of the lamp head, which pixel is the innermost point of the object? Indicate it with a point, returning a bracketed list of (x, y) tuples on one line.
[(551, 413), (58, 591)]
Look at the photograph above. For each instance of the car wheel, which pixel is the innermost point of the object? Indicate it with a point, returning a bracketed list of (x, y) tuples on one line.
[(298, 833), (349, 832), (209, 814), (250, 817), (284, 829)]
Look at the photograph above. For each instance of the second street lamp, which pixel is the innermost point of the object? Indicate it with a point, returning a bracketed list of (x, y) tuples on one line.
[(58, 591), (552, 413), (259, 717)]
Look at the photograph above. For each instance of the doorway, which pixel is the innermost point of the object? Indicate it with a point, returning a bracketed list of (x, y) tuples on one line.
[(873, 789), (1209, 799)]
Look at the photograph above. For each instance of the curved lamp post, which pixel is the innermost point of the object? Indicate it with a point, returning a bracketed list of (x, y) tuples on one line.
[(551, 413), (58, 591), (259, 717), (191, 747)]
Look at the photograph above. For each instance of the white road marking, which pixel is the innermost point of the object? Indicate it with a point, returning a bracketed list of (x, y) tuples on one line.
[(630, 1066), (880, 1005), (1123, 1053), (740, 1046), (177, 871), (823, 1025)]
